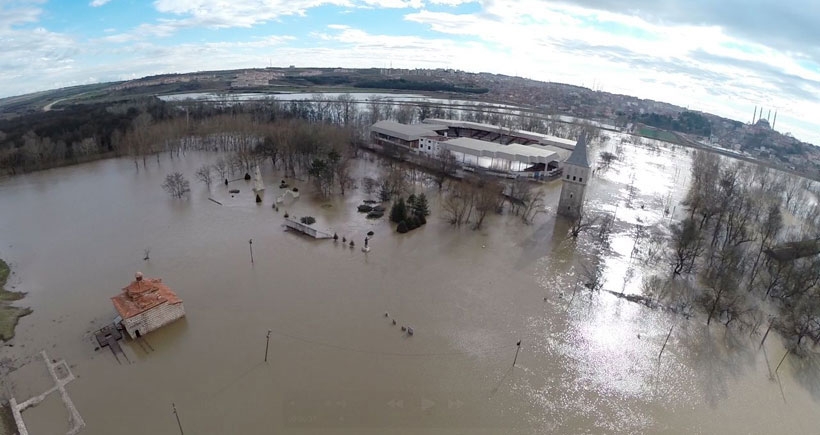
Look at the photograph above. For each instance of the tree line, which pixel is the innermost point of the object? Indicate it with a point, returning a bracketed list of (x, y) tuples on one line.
[(146, 127), (736, 214)]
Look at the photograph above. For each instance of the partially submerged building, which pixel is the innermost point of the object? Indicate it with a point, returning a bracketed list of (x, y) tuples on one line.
[(477, 145), (395, 134), (574, 181), (147, 304)]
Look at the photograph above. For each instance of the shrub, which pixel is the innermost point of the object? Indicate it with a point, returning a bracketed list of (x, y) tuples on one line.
[(398, 212), (375, 214), (412, 223), (308, 220), (364, 208), (402, 228)]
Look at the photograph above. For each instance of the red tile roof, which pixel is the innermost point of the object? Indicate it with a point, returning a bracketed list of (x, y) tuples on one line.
[(142, 295)]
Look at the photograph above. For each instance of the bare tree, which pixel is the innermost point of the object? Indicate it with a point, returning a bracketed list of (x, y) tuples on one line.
[(394, 182), (487, 194), (722, 280), (525, 199), (457, 204), (369, 185), (593, 273), (444, 165), (768, 230), (221, 168), (533, 206), (341, 170), (176, 185), (607, 158), (582, 223), (203, 174), (687, 244)]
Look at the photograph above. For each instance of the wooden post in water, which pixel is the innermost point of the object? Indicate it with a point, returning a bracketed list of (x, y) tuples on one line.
[(664, 342), (771, 321), (517, 348), (177, 416), (267, 344), (250, 245), (781, 361)]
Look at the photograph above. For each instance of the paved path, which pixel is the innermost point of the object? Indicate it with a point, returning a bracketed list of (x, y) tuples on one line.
[(62, 375)]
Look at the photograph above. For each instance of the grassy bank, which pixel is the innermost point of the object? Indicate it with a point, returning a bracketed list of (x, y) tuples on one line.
[(7, 425), (9, 315)]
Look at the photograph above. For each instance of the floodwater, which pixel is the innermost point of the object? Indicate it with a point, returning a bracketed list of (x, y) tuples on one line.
[(75, 236)]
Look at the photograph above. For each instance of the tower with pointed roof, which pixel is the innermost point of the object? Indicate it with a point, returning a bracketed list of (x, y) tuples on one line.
[(575, 178)]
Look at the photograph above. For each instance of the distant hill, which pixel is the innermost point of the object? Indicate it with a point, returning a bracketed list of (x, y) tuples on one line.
[(757, 141)]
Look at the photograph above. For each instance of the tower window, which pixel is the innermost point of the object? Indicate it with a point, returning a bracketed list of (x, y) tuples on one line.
[(581, 179), (573, 178), (567, 176)]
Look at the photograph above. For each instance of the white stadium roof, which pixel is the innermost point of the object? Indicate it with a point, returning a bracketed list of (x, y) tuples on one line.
[(512, 152), (543, 139), (405, 131)]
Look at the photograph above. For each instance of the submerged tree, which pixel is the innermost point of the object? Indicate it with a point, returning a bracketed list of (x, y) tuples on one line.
[(457, 204), (176, 185), (581, 223), (445, 165), (687, 244), (487, 194), (203, 174), (221, 168), (321, 175)]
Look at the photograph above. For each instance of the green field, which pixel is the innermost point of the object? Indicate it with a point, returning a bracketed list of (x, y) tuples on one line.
[(8, 315), (658, 134)]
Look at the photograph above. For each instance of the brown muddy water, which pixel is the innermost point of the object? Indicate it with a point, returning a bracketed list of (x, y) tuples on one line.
[(75, 236)]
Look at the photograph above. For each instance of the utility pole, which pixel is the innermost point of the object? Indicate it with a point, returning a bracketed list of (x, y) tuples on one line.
[(267, 344), (781, 360), (250, 245), (664, 342), (177, 416)]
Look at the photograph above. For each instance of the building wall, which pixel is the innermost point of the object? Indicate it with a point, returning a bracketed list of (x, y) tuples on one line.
[(428, 146), (154, 318), (573, 190)]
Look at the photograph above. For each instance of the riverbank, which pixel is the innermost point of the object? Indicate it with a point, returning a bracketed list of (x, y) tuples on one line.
[(9, 315)]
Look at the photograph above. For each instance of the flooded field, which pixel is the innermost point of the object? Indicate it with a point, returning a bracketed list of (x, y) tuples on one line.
[(589, 363)]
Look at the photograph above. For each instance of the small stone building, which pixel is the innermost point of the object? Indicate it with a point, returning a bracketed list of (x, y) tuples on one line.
[(147, 304)]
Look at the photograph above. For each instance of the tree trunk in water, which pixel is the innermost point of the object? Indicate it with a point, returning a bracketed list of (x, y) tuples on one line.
[(753, 273), (714, 306), (766, 334)]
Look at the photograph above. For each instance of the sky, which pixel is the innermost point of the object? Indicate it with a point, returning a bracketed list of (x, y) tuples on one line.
[(718, 56)]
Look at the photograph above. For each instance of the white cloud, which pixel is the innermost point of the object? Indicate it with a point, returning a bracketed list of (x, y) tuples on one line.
[(704, 66), (394, 4), (98, 3), (222, 14), (451, 2), (18, 13)]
